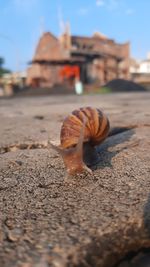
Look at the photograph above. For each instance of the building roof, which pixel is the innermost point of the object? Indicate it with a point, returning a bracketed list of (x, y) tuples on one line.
[(75, 49), (49, 48)]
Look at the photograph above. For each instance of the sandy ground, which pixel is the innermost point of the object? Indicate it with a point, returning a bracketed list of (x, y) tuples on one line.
[(89, 220)]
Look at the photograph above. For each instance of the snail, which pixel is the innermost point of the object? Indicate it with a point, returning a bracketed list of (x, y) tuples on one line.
[(81, 132)]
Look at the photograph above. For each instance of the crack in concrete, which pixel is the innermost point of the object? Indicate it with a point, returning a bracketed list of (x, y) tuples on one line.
[(23, 146), (45, 144)]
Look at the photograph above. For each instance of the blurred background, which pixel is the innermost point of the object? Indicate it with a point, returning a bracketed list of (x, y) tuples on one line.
[(73, 47)]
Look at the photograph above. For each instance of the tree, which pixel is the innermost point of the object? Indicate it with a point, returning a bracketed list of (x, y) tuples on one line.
[(1, 62), (3, 70)]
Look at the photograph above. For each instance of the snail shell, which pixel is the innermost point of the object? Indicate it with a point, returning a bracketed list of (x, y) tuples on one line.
[(81, 131), (96, 127)]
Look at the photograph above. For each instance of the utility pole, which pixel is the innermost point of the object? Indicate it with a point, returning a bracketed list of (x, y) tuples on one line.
[(60, 21)]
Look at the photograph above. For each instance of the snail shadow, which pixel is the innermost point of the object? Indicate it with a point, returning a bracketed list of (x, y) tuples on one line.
[(114, 144), (146, 216)]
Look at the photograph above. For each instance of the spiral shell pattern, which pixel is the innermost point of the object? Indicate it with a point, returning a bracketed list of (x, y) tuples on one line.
[(95, 131)]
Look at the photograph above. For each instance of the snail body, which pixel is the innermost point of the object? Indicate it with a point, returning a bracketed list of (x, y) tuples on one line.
[(81, 132)]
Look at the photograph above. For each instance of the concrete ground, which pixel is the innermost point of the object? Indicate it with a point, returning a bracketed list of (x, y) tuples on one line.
[(101, 219)]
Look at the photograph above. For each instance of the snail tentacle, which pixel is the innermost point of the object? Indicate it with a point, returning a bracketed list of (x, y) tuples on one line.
[(57, 148)]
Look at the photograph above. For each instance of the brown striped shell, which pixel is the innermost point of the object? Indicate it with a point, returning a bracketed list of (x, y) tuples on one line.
[(95, 131)]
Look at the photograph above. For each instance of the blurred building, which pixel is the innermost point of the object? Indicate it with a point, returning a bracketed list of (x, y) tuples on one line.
[(96, 59), (12, 82), (140, 70)]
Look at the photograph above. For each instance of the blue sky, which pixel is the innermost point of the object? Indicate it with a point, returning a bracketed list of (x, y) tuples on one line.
[(22, 21)]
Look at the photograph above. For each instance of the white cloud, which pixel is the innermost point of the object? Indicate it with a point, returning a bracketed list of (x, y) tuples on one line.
[(83, 11), (100, 3), (108, 4), (113, 5), (24, 5), (130, 11), (114, 2)]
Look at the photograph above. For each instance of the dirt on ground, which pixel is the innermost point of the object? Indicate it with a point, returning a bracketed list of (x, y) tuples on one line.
[(98, 220), (118, 85)]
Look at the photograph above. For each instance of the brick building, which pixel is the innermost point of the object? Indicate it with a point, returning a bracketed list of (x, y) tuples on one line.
[(98, 59)]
